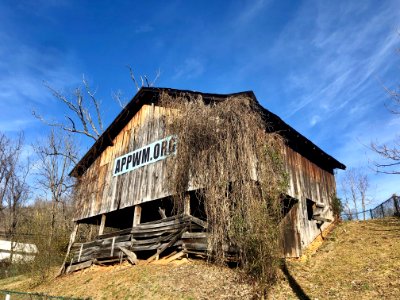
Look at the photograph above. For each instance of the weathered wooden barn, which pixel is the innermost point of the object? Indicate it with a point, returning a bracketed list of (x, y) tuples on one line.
[(122, 187)]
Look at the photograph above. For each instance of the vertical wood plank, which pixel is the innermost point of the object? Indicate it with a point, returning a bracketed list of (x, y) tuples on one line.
[(102, 224), (186, 204), (112, 247), (136, 216), (80, 253)]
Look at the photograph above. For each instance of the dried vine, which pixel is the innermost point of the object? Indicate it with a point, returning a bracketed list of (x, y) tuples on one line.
[(226, 154)]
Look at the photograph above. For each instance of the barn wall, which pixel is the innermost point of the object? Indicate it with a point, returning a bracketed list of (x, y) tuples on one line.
[(100, 192), (308, 181)]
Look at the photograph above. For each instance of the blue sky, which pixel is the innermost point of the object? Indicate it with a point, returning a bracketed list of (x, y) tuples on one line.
[(320, 65)]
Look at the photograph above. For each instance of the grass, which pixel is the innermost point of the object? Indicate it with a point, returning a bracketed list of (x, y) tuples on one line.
[(358, 260)]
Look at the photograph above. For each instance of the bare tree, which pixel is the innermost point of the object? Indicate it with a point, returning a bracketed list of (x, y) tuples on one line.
[(355, 186), (14, 189), (347, 202), (362, 187), (56, 157), (85, 116), (349, 186), (80, 119), (389, 153)]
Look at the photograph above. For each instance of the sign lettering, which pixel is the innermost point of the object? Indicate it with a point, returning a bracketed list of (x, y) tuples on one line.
[(149, 154)]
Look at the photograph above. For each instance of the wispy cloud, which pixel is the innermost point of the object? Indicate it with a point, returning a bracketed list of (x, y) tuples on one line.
[(349, 47), (190, 68), (346, 56), (23, 69), (249, 11)]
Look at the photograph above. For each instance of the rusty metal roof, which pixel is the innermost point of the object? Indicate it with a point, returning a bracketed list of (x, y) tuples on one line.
[(148, 95)]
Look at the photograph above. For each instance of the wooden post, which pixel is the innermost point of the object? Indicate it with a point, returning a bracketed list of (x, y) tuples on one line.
[(370, 212), (102, 224), (383, 211), (71, 241), (136, 216), (186, 205)]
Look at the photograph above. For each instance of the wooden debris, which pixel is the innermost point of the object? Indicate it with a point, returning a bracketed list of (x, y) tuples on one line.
[(79, 266), (174, 257), (130, 255), (157, 235), (161, 250)]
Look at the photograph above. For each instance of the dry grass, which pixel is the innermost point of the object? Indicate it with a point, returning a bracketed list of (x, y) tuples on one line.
[(358, 260), (187, 280)]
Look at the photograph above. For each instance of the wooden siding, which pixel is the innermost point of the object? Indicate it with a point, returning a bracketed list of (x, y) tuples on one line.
[(308, 181), (101, 192)]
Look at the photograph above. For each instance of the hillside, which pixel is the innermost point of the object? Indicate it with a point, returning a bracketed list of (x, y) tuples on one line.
[(357, 260)]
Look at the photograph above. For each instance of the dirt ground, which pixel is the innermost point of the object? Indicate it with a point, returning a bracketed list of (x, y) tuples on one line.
[(357, 260)]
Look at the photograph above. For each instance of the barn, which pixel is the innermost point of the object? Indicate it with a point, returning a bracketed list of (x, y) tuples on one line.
[(122, 192)]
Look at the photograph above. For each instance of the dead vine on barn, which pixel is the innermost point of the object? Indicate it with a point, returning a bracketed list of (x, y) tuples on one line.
[(226, 153)]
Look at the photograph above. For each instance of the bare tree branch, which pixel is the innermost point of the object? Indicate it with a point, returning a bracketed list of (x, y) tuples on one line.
[(95, 103), (133, 78), (80, 112), (158, 73), (117, 96)]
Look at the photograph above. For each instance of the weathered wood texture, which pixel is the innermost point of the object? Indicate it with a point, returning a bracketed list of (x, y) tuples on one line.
[(100, 192), (307, 181), (157, 236)]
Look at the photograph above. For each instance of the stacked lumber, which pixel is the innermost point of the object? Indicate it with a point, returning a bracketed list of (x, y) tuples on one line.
[(151, 236)]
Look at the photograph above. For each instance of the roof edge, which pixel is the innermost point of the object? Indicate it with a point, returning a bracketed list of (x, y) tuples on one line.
[(106, 139)]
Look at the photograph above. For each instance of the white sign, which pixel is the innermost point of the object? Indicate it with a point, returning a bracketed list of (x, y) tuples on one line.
[(147, 155)]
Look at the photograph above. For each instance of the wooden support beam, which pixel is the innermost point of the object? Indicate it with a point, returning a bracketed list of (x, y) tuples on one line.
[(71, 241), (102, 224), (161, 211), (136, 216), (186, 205)]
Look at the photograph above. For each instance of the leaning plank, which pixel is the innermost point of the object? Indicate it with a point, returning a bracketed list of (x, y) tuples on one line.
[(198, 222), (175, 256), (131, 255), (71, 242), (169, 255), (169, 244), (79, 266)]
